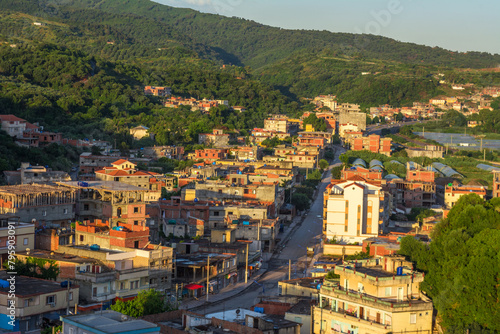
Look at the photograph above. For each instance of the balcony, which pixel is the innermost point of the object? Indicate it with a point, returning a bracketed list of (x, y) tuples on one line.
[(349, 317), (102, 297), (376, 302), (96, 277), (132, 273)]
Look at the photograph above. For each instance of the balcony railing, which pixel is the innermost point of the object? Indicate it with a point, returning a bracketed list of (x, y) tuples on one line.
[(133, 273), (368, 298), (96, 277)]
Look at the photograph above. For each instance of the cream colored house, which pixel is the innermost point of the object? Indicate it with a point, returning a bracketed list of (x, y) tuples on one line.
[(353, 210), (139, 132), (374, 296), (453, 193)]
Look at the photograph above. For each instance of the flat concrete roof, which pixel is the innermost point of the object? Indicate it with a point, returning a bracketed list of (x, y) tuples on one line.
[(24, 189), (29, 286), (44, 254), (103, 185), (110, 322)]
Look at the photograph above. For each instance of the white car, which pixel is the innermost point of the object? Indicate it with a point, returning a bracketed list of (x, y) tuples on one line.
[(319, 216)]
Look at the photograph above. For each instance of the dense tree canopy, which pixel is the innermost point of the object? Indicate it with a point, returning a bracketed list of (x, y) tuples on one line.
[(462, 265), (146, 302)]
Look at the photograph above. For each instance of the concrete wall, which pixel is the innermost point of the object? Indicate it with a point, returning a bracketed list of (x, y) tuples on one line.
[(358, 118), (338, 249), (303, 319)]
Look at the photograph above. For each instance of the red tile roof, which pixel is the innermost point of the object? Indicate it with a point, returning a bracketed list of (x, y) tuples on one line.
[(119, 162), (11, 118)]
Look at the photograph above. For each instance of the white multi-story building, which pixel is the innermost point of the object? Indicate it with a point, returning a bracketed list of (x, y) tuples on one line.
[(353, 210)]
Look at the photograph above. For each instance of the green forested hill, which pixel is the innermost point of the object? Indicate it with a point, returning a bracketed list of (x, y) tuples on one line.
[(234, 40), (83, 69)]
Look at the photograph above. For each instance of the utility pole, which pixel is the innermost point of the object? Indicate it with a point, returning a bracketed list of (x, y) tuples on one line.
[(67, 298), (289, 269), (208, 276), (177, 295), (246, 266)]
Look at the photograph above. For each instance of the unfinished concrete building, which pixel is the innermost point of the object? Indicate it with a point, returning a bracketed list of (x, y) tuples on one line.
[(115, 202), (46, 205)]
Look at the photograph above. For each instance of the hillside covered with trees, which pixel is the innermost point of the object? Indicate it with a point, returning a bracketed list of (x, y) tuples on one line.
[(462, 266)]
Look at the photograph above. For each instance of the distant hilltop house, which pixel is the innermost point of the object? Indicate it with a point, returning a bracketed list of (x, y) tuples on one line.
[(203, 105), (140, 132), (157, 91)]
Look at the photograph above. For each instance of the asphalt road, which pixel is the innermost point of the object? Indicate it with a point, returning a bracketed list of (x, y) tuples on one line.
[(295, 249)]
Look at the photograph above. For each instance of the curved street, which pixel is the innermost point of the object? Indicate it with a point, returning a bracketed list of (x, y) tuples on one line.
[(294, 248)]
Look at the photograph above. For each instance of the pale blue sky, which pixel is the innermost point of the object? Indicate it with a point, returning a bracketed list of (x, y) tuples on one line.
[(457, 25)]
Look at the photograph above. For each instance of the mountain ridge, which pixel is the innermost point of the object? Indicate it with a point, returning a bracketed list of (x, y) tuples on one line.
[(248, 43)]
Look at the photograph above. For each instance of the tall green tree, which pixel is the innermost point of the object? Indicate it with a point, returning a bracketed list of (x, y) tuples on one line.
[(462, 265), (146, 302)]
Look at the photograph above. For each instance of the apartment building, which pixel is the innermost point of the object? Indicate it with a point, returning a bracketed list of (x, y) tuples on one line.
[(242, 190), (329, 101), (157, 91), (259, 135), (23, 236), (373, 143), (354, 209), (34, 299), (217, 138), (353, 116), (452, 193), (34, 174), (191, 272), (365, 173), (378, 296), (114, 202), (89, 163), (246, 153), (46, 205), (126, 172), (170, 152), (210, 154), (277, 123), (121, 272)]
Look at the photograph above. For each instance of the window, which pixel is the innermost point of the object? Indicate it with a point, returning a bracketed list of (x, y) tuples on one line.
[(94, 292), (26, 302), (65, 211), (388, 292), (136, 210), (44, 213), (122, 286), (25, 241), (105, 289), (71, 331), (134, 285), (216, 213), (85, 207), (71, 296), (51, 300), (136, 222), (81, 237), (413, 318)]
